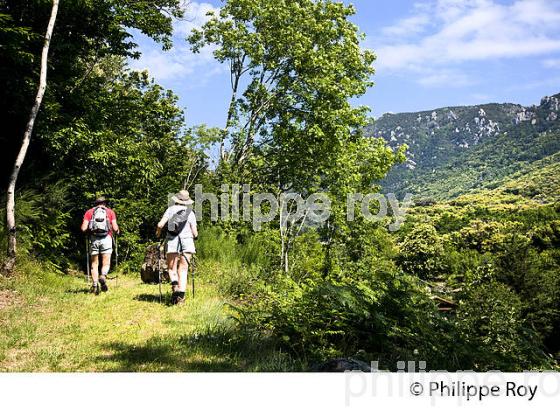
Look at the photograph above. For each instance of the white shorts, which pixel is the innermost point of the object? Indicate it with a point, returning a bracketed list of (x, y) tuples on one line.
[(101, 245), (180, 245)]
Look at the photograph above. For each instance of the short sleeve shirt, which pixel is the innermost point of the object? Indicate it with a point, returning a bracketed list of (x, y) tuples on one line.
[(111, 216), (187, 231)]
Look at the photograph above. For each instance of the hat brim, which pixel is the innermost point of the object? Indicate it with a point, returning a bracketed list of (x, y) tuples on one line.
[(181, 202)]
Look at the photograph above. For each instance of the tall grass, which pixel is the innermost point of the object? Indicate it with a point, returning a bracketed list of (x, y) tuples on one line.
[(218, 246), (232, 266)]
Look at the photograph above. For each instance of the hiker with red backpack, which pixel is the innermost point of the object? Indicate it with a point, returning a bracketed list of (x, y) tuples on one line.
[(100, 223), (180, 222)]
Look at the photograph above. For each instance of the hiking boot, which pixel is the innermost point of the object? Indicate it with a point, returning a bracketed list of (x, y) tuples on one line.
[(95, 289), (103, 283), (174, 292), (180, 300)]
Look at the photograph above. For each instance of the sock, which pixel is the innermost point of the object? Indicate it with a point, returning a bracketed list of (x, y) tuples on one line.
[(173, 276), (183, 281)]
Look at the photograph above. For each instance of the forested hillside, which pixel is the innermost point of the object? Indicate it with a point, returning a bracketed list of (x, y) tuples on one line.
[(459, 149)]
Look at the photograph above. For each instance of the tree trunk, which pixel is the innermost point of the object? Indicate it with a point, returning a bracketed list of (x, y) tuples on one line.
[(228, 125), (9, 265), (236, 71)]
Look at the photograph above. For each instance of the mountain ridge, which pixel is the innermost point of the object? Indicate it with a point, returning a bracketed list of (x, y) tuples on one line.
[(454, 150)]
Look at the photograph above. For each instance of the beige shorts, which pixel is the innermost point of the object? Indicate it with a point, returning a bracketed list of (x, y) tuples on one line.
[(102, 245), (180, 245)]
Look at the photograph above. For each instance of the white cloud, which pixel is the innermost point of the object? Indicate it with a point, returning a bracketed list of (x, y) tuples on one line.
[(551, 63), (458, 31), (445, 78), (180, 62), (195, 17), (162, 67), (405, 27)]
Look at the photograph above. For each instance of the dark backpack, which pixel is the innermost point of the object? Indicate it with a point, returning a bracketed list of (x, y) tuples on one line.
[(178, 222)]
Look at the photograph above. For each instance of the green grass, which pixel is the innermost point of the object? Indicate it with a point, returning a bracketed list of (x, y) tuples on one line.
[(53, 324)]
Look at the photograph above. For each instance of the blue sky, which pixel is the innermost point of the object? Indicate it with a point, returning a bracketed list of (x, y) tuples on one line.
[(430, 54)]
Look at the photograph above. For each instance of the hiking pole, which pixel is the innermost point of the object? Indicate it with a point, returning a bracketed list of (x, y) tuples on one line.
[(116, 260), (88, 273), (160, 246), (193, 269)]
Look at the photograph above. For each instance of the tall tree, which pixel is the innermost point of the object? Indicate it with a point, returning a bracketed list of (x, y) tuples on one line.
[(291, 62), (295, 65), (10, 203)]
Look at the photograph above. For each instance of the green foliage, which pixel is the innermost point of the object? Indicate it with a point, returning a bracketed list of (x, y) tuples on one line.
[(128, 144), (295, 65), (422, 252), (384, 315), (491, 236), (490, 322), (238, 264), (219, 246), (347, 297), (101, 130), (43, 218), (85, 33)]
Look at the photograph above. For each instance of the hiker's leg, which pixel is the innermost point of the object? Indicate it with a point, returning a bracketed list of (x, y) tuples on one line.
[(172, 259), (105, 266), (105, 250), (95, 268), (94, 260), (183, 271), (105, 263), (172, 266)]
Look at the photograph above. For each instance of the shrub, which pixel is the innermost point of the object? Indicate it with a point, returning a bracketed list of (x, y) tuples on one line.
[(422, 252), (384, 315), (490, 323)]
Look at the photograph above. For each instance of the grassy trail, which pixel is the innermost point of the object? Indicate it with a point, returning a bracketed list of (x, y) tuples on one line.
[(48, 322)]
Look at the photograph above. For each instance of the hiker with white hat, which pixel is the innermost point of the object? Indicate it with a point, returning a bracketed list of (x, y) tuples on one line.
[(180, 221)]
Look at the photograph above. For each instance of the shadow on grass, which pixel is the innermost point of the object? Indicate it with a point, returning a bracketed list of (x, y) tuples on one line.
[(78, 291), (216, 351), (148, 297), (159, 356)]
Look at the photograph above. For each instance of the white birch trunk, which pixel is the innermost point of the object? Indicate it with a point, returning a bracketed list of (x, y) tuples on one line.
[(10, 204)]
